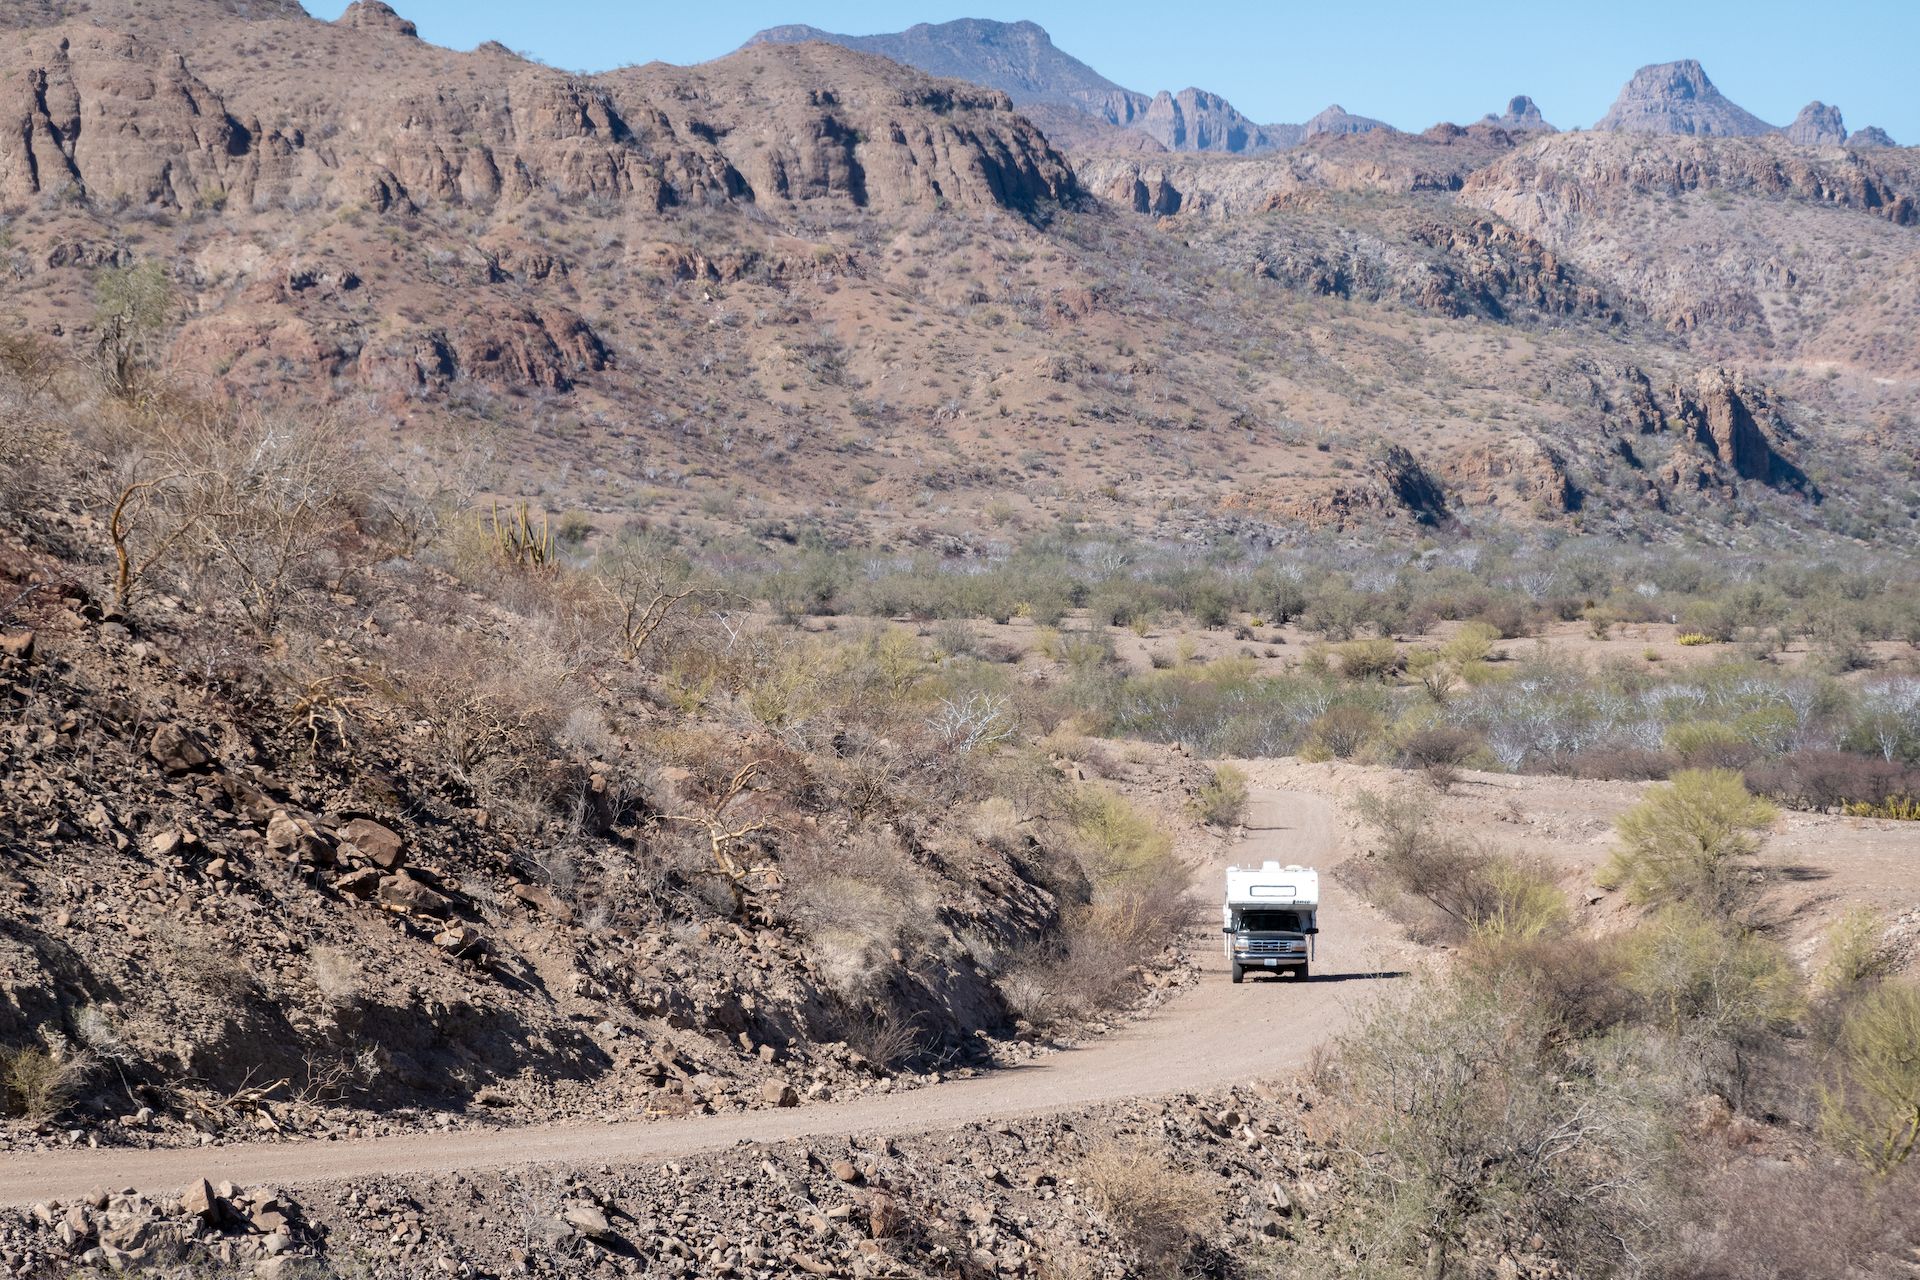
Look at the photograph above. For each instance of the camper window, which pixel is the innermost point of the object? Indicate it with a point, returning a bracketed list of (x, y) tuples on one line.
[(1265, 920)]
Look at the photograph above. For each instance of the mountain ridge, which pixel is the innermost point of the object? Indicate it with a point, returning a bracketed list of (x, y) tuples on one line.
[(1020, 59)]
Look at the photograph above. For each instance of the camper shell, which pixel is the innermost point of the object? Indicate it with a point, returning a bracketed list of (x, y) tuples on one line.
[(1271, 918)]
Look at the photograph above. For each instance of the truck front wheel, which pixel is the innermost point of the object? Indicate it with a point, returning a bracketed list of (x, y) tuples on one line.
[(1300, 972), (1238, 973)]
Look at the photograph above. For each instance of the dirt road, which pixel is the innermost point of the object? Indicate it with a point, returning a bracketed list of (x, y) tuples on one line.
[(1212, 1035)]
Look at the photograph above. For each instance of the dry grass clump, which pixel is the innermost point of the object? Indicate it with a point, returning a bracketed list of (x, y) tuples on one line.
[(1165, 1213), (37, 1083)]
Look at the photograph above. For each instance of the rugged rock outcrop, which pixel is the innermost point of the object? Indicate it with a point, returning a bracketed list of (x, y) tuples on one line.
[(120, 117), (1817, 125), (1683, 434), (1520, 116), (1869, 138), (1379, 160), (1677, 97), (1394, 485), (1195, 120), (1452, 266), (1556, 181), (372, 15)]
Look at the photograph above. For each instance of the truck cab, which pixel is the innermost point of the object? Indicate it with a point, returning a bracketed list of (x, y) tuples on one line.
[(1271, 918)]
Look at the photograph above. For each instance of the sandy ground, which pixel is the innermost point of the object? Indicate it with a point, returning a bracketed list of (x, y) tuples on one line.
[(1211, 1035)]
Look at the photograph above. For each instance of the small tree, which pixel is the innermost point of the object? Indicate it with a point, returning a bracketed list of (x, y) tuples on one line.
[(1875, 1109), (130, 314), (1692, 840)]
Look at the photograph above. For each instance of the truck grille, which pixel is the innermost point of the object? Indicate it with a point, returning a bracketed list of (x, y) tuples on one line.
[(1272, 947)]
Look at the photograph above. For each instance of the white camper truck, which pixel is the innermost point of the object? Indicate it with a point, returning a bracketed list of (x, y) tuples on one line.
[(1270, 918)]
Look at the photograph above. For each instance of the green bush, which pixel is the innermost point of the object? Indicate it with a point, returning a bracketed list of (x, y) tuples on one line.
[(1874, 1110), (1693, 841)]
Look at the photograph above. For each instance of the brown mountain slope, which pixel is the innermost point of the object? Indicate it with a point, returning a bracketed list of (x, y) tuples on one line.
[(805, 287)]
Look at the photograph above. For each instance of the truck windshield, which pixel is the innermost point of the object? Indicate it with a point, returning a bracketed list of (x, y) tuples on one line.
[(1271, 921)]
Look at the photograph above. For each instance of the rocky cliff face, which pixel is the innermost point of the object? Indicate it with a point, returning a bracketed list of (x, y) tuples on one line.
[(1337, 120), (1677, 97), (119, 117), (1548, 185)]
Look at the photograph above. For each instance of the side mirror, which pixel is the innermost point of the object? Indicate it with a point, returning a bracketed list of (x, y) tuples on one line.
[(1226, 928), (1314, 930)]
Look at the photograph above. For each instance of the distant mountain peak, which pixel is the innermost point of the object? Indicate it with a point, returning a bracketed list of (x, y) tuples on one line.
[(1818, 125), (1871, 136), (1678, 98), (1522, 113)]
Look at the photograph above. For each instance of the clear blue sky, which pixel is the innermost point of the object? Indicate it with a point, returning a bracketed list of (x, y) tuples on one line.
[(1407, 62)]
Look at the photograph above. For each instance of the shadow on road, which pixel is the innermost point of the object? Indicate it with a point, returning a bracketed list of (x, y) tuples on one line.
[(1317, 978)]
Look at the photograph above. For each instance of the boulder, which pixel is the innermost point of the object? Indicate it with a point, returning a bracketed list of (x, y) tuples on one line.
[(382, 846), (176, 750), (778, 1093), (16, 644), (543, 900), (402, 892), (363, 883), (589, 1221)]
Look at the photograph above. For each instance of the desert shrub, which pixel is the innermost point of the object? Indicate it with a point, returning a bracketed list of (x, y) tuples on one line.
[(1693, 840), (1474, 1126), (1857, 954), (1574, 981), (1709, 744), (1437, 746), (1341, 732), (1373, 659), (1747, 1220), (1622, 764), (1131, 905), (1119, 843), (1689, 639), (1824, 780), (37, 1083), (1874, 1109), (1511, 618), (1472, 643), (1722, 994), (858, 900), (1224, 709), (1443, 888), (1164, 1213), (1224, 799)]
